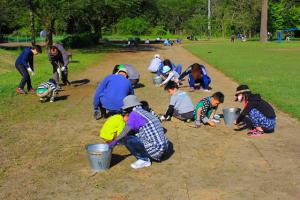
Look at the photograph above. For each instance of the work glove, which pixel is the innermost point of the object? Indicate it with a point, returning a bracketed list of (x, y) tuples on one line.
[(63, 68), (162, 118), (112, 143), (97, 114), (30, 71), (197, 123)]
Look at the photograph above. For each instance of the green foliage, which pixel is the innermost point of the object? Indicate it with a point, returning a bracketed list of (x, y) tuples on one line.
[(271, 69), (135, 26), (80, 40), (158, 30)]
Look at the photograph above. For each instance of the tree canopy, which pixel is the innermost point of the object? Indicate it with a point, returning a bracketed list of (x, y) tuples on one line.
[(139, 17)]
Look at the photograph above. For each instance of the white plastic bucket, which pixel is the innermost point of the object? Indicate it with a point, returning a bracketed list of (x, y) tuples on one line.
[(99, 156)]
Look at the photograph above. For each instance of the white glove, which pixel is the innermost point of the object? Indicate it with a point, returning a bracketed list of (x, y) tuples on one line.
[(162, 118), (30, 70), (63, 68)]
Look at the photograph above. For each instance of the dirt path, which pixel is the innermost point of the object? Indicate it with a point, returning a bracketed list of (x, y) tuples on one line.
[(43, 157)]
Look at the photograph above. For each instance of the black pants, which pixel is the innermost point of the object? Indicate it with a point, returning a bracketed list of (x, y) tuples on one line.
[(25, 77), (64, 76)]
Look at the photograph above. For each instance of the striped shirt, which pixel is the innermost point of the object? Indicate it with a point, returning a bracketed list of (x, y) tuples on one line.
[(47, 84)]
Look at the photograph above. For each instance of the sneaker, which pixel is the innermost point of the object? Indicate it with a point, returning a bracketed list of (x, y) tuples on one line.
[(140, 164), (20, 91), (52, 99), (255, 133), (215, 120), (32, 91), (43, 100)]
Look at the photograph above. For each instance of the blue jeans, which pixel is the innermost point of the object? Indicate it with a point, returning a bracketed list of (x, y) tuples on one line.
[(136, 147)]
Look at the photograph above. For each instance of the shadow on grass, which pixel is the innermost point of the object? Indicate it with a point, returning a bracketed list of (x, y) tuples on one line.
[(80, 82), (62, 98), (115, 159)]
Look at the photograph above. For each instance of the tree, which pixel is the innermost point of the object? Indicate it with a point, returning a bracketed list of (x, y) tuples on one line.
[(264, 21)]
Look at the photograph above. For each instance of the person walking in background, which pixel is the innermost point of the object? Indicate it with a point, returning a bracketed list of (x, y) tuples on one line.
[(24, 64), (259, 112), (108, 99), (197, 74)]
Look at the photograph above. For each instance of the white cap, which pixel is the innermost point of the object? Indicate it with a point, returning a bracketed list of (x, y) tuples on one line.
[(156, 56)]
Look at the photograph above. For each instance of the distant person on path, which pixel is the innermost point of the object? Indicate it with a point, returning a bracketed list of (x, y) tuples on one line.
[(181, 105), (59, 59), (24, 64), (197, 74), (47, 90), (232, 37), (259, 112), (206, 109), (148, 140), (108, 99), (155, 64), (133, 74)]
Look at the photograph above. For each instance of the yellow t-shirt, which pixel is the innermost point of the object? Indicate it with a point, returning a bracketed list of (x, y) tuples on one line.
[(112, 127)]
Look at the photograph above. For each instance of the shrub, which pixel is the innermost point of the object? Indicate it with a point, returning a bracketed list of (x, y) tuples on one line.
[(80, 40), (135, 26), (158, 30)]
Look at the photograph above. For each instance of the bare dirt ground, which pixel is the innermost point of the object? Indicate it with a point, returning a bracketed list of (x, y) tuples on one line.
[(43, 155)]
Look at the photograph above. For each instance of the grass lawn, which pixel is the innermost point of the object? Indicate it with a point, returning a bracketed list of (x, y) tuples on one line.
[(10, 77), (271, 69)]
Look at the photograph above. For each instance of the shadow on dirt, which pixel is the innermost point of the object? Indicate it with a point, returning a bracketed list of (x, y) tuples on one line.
[(115, 159), (80, 82), (139, 85)]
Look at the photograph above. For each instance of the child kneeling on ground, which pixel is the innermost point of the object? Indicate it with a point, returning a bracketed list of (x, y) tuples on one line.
[(47, 90), (206, 109), (112, 127), (259, 112), (181, 105)]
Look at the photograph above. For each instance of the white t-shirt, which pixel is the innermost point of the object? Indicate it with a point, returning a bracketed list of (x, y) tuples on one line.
[(154, 65)]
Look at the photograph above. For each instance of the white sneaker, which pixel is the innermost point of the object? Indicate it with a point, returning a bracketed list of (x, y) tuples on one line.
[(140, 164)]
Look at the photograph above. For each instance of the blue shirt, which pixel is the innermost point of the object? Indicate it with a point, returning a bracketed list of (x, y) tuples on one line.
[(111, 92), (25, 58)]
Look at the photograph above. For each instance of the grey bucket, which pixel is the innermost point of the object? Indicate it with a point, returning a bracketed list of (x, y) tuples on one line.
[(157, 80), (230, 114), (99, 156)]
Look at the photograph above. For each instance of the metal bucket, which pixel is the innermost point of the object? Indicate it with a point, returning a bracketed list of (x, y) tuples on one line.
[(157, 80), (230, 114), (99, 156)]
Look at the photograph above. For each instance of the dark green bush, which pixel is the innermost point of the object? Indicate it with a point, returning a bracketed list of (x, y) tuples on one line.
[(80, 40)]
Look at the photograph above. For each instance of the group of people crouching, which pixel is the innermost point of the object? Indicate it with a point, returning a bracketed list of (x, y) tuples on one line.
[(59, 59), (133, 123)]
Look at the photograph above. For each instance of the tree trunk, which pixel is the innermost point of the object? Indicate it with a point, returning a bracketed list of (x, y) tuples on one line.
[(264, 21), (49, 37), (97, 28), (31, 14)]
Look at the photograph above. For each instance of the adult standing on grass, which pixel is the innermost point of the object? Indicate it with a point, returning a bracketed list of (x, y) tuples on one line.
[(24, 65), (108, 99), (59, 60)]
